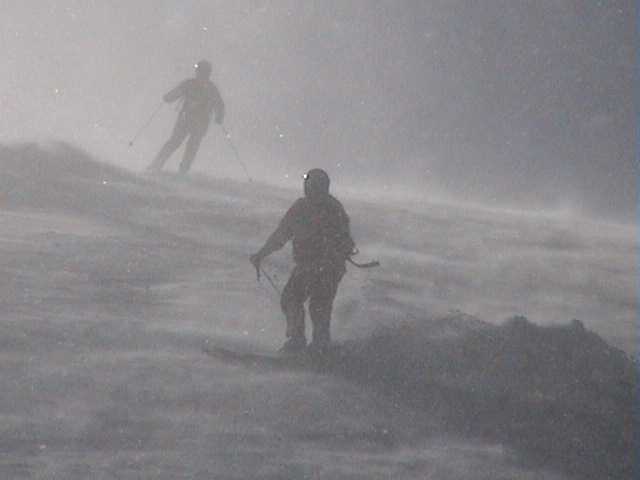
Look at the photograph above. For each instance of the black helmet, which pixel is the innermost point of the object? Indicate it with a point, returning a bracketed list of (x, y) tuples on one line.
[(203, 67), (316, 183)]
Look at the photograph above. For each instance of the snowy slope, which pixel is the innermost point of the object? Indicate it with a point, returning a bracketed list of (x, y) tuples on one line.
[(111, 281)]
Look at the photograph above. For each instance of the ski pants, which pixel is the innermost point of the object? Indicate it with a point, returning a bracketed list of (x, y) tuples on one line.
[(318, 285), (183, 128)]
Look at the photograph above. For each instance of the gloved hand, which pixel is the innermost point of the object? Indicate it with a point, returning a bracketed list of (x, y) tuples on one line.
[(255, 260)]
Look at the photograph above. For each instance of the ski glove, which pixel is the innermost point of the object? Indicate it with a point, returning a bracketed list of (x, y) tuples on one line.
[(255, 260)]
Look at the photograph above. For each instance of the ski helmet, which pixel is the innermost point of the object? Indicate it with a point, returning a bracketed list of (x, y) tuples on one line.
[(316, 183), (203, 67)]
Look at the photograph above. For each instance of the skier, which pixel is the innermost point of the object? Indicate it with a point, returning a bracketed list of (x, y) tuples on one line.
[(318, 226), (200, 99)]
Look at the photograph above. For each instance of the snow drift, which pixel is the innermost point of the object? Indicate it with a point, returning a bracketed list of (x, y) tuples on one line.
[(111, 281)]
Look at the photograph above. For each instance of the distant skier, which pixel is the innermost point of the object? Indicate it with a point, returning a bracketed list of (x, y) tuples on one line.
[(200, 99), (319, 227)]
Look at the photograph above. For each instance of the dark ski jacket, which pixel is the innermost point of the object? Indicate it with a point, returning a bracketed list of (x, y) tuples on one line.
[(200, 99), (319, 230)]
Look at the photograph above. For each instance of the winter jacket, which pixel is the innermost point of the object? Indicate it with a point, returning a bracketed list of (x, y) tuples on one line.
[(319, 231), (201, 99)]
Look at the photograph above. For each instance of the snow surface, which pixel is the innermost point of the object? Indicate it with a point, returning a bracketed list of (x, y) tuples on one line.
[(111, 282)]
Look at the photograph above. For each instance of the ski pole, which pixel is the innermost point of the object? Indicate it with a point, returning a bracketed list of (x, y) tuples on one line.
[(373, 264), (153, 115), (350, 259), (227, 135), (260, 271), (273, 284)]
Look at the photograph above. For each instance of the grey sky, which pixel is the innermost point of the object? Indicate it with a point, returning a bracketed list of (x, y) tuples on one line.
[(525, 102)]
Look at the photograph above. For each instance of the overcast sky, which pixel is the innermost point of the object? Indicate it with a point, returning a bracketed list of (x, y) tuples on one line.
[(502, 101)]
